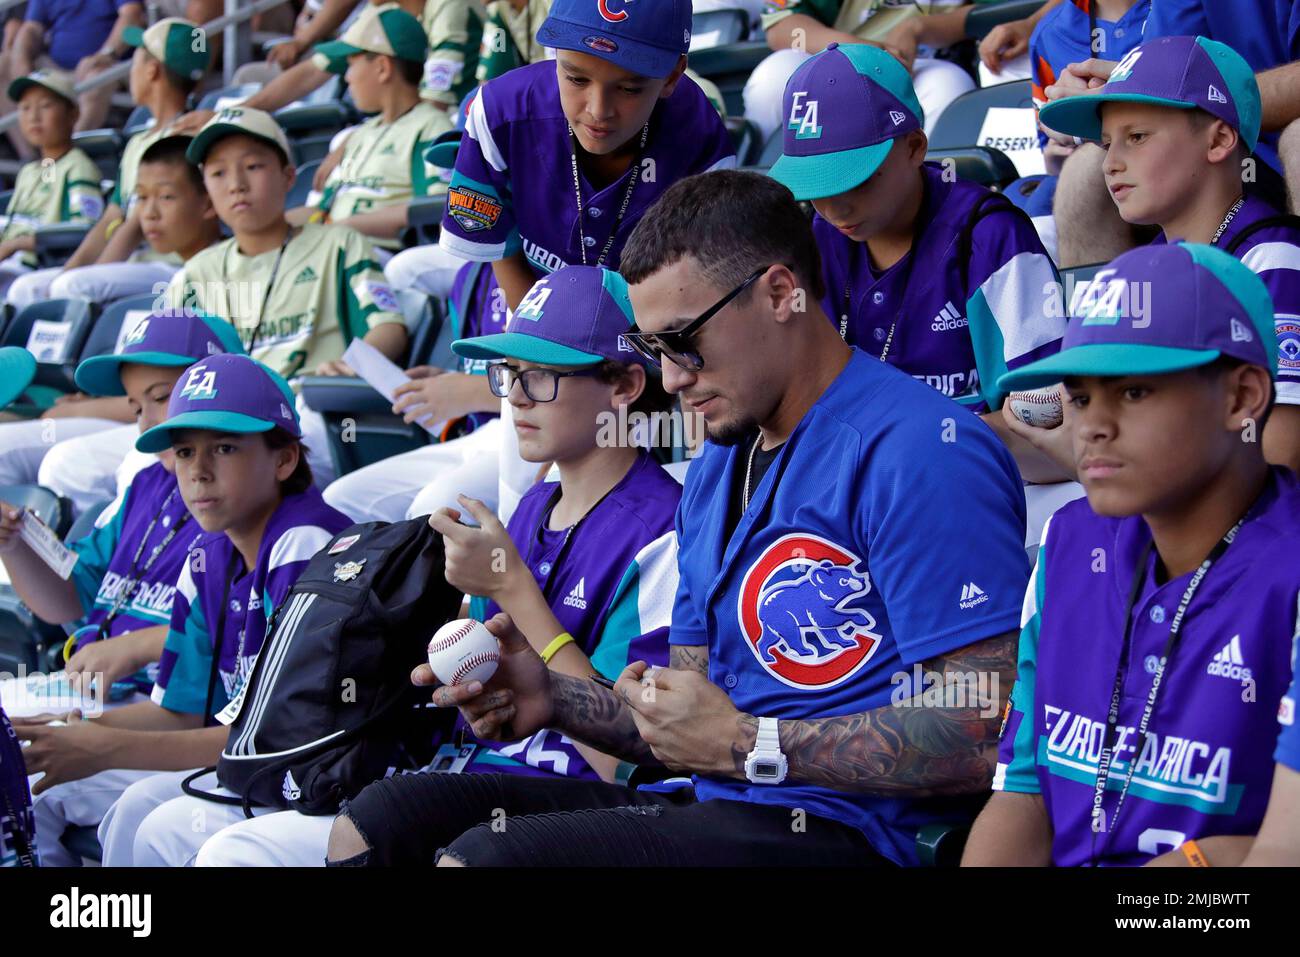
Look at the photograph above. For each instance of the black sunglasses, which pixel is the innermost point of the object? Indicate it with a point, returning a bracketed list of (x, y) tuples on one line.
[(679, 345)]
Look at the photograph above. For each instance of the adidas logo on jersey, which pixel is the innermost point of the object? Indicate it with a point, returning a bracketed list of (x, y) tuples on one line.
[(972, 595), (307, 275), (1228, 663), (1215, 95), (949, 318), (389, 150), (1241, 332), (578, 597)]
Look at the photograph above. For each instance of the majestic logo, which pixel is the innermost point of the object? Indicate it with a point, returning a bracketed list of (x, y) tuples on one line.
[(200, 384), (578, 597), (972, 595), (1124, 69), (949, 318), (1229, 663), (803, 117), (613, 11), (1215, 95), (801, 612), (1241, 332)]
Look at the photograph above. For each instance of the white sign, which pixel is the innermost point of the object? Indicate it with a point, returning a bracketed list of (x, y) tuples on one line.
[(1014, 131), (48, 341)]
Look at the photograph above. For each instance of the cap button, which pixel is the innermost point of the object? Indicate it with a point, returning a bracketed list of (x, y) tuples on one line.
[(833, 46)]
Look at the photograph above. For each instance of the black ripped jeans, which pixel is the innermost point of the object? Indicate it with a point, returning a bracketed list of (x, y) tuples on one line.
[(508, 820)]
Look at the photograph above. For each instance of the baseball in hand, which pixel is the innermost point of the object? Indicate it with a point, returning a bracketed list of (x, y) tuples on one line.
[(1040, 408), (462, 651)]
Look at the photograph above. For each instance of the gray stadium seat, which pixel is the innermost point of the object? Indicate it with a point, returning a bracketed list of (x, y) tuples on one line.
[(104, 147), (139, 121), (716, 28), (68, 323), (960, 123), (729, 67), (747, 139), (981, 20), (978, 164), (56, 242), (302, 185), (228, 96), (107, 329), (24, 638)]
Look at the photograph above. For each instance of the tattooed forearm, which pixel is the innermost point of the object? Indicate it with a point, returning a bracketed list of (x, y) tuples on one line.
[(596, 716), (689, 658), (922, 746)]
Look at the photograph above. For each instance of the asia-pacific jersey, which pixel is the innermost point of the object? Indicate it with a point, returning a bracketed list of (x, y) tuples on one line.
[(476, 307), (383, 164), (222, 606), (1206, 766), (1273, 254), (856, 560), (328, 290), (611, 588), (17, 822), (958, 325), (65, 190), (510, 37), (455, 32), (1065, 36), (865, 19), (513, 190)]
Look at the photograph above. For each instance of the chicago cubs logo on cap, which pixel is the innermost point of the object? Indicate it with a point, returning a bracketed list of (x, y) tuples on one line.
[(801, 612), (615, 11)]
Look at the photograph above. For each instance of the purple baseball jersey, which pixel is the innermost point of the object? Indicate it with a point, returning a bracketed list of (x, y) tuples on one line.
[(298, 529), (477, 307), (1273, 254), (1288, 742), (512, 188), (611, 588), (1206, 767), (17, 824), (957, 335)]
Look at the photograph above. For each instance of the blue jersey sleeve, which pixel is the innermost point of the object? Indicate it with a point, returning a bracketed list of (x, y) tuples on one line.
[(688, 624), (186, 662), (1288, 742), (479, 223), (95, 550)]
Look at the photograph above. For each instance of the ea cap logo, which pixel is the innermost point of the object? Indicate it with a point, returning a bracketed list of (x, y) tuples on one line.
[(200, 385), (804, 117), (1125, 67), (532, 304), (137, 334)]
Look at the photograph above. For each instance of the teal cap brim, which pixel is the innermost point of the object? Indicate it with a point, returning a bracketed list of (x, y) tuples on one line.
[(159, 438), (17, 369), (102, 375), (337, 52), (829, 174), (209, 135), (1081, 115), (133, 37), (1105, 359), (516, 345)]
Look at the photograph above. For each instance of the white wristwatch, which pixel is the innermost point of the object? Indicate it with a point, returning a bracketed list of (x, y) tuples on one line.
[(766, 764)]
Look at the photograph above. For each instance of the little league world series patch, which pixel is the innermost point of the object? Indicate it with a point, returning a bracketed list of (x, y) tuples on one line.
[(472, 209)]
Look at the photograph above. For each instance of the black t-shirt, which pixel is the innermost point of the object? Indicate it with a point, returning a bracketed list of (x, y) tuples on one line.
[(763, 459)]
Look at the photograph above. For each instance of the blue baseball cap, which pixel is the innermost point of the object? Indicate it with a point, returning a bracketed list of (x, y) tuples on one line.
[(1180, 72), (576, 316), (1161, 309), (226, 393), (645, 37), (171, 338), (17, 369), (843, 109)]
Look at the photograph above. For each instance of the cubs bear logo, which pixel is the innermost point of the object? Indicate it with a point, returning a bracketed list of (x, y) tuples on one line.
[(613, 11), (800, 610)]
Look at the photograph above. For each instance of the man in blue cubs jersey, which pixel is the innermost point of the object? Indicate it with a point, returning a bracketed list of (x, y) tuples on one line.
[(1278, 841), (1159, 621), (939, 278), (814, 613)]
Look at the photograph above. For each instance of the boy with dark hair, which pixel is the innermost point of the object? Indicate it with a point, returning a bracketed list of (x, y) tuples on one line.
[(170, 58), (1178, 120)]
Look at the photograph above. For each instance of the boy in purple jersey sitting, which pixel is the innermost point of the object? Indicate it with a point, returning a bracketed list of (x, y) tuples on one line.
[(1158, 624), (1179, 120), (17, 828), (937, 277), (242, 474)]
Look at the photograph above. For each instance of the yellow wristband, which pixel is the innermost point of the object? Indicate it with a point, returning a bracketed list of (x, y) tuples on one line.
[(1195, 856), (562, 639), (112, 227), (69, 647)]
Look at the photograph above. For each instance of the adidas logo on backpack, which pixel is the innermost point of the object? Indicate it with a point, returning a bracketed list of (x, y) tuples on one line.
[(290, 788), (1229, 663), (577, 598)]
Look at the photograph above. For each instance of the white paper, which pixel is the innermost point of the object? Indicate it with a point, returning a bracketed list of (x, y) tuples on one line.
[(48, 341), (381, 373), (705, 40), (46, 545), (1014, 131)]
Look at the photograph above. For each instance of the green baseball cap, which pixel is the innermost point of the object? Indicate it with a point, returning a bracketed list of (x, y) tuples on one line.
[(17, 369), (388, 30), (181, 45), (238, 119), (56, 81)]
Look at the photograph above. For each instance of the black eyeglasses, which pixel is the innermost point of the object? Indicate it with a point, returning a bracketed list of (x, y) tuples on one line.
[(679, 345), (540, 385)]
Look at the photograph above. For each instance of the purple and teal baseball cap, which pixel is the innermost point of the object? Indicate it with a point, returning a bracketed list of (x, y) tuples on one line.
[(576, 316), (1160, 309), (227, 393), (844, 108), (645, 37), (1181, 72), (165, 337), (17, 370)]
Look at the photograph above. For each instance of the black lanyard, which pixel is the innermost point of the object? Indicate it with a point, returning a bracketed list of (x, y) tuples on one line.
[(627, 196), (911, 256), (1162, 664), (270, 285), (1095, 43), (136, 574), (568, 533)]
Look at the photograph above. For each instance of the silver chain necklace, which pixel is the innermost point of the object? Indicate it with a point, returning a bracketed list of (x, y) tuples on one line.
[(749, 470)]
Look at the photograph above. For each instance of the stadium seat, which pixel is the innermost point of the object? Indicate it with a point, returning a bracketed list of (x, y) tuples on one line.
[(104, 147), (139, 121), (979, 164), (981, 20), (56, 242), (83, 841), (107, 331), (24, 638), (961, 122), (57, 343), (423, 220), (311, 126), (729, 67), (715, 28), (747, 139), (228, 96), (302, 185), (941, 845), (5, 197), (770, 152)]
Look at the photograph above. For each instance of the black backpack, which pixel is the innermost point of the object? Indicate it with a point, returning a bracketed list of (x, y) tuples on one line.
[(329, 704)]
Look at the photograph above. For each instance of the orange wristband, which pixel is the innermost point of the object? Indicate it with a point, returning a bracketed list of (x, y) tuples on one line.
[(1195, 856)]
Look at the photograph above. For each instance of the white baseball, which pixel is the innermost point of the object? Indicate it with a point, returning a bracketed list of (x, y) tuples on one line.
[(1040, 408), (462, 651)]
